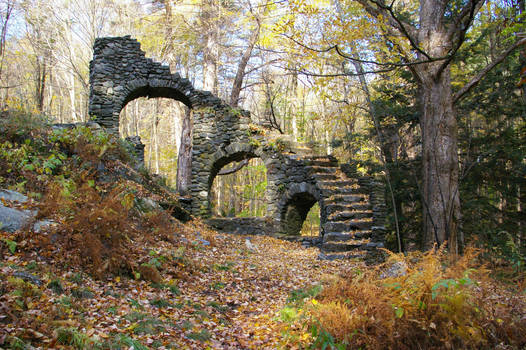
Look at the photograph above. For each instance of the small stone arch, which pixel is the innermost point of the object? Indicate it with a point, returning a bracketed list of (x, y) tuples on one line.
[(147, 88), (233, 152), (295, 204)]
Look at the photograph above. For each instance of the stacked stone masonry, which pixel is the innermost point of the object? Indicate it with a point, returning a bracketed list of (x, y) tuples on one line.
[(352, 212)]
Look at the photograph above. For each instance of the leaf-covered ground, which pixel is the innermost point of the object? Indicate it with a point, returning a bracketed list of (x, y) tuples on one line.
[(115, 272), (216, 293)]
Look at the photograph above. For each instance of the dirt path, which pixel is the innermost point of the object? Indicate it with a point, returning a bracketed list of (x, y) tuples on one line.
[(230, 299)]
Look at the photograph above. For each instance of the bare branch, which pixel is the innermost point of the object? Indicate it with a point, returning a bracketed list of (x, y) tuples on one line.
[(477, 78), (337, 49), (333, 75), (234, 169), (464, 18)]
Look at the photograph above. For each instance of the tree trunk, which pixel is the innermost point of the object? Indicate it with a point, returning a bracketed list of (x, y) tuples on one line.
[(184, 160), (40, 83), (72, 96), (294, 106), (240, 74), (155, 138), (439, 162), (210, 50)]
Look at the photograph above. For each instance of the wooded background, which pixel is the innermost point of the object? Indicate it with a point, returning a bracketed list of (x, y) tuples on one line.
[(427, 95)]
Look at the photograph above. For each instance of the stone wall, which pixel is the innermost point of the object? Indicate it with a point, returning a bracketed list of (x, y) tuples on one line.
[(245, 226), (222, 136), (259, 226)]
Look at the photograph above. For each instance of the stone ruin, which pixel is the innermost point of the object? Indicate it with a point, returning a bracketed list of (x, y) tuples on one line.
[(352, 211)]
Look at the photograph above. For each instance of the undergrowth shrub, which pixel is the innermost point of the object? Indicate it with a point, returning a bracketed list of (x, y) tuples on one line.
[(18, 125), (90, 145), (87, 186), (162, 224), (96, 225), (74, 338), (433, 305)]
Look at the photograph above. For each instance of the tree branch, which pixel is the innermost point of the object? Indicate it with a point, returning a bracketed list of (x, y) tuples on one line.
[(333, 75), (232, 170), (395, 22), (476, 79), (351, 58), (468, 12), (460, 28)]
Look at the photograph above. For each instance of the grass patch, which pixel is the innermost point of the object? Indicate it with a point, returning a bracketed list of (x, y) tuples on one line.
[(203, 335), (73, 337), (224, 267), (82, 293), (217, 306), (56, 286), (160, 303)]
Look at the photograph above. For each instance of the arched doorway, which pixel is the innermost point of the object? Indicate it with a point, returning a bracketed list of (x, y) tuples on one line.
[(225, 161), (296, 211), (239, 190), (311, 225), (158, 122), (298, 201)]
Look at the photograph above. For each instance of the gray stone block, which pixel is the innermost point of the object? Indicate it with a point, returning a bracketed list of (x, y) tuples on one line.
[(12, 219), (13, 196)]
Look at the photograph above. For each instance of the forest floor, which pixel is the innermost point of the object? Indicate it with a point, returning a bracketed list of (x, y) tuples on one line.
[(116, 271), (231, 299)]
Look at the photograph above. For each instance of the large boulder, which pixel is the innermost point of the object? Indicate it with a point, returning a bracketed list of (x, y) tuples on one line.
[(13, 219), (13, 196)]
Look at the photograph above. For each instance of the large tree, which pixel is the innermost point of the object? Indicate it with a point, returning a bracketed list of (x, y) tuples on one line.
[(427, 40)]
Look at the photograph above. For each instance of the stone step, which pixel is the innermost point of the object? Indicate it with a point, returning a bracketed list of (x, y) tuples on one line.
[(336, 207), (324, 177), (343, 255), (344, 190), (347, 226), (346, 215), (321, 162), (345, 236), (354, 206), (333, 247), (324, 157), (315, 169), (337, 183), (335, 191), (326, 161)]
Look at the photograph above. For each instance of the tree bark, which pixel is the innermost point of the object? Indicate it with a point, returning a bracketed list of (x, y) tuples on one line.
[(40, 82), (155, 137), (440, 169), (184, 160), (72, 97)]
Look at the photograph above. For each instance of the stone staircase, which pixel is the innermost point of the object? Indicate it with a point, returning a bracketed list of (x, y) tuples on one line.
[(348, 227)]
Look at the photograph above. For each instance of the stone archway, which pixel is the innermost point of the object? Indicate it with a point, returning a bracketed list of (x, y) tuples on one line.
[(120, 72), (295, 204)]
